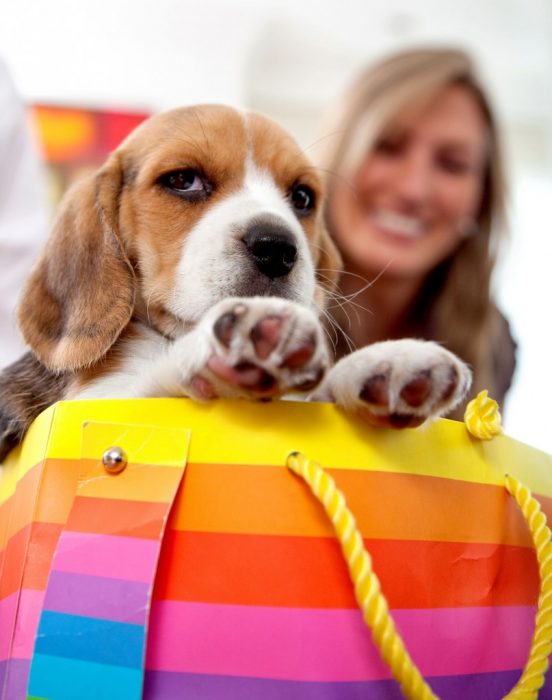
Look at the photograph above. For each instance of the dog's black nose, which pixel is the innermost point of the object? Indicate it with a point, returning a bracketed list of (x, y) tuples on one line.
[(272, 248)]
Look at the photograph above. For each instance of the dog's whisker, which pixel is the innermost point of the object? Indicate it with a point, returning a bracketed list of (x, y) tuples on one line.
[(338, 331), (370, 283), (326, 279), (198, 118), (342, 300), (338, 176), (331, 324), (346, 273), (331, 330), (322, 138), (198, 147), (367, 283), (185, 139), (344, 312)]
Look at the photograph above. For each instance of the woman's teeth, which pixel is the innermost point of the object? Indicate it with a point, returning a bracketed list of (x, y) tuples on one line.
[(398, 223)]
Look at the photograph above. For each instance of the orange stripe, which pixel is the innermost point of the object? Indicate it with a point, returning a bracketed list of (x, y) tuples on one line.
[(249, 499), (56, 501), (395, 506), (307, 572), (17, 510), (31, 502), (39, 551), (269, 500), (115, 517), (63, 478)]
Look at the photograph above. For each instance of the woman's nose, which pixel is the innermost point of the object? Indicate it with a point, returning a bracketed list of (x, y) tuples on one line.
[(413, 177)]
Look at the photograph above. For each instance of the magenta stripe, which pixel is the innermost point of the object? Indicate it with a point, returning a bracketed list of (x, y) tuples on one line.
[(161, 685), (110, 556), (28, 614), (331, 645), (94, 596), (14, 677)]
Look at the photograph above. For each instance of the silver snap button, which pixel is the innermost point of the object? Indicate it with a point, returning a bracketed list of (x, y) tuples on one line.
[(114, 460)]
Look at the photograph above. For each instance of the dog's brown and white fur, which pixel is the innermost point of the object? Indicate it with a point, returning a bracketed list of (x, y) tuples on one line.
[(196, 263)]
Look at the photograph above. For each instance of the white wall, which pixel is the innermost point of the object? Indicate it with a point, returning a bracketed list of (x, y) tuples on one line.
[(525, 290), (291, 59)]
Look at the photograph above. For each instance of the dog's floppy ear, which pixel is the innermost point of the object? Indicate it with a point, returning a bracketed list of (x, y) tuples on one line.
[(80, 295)]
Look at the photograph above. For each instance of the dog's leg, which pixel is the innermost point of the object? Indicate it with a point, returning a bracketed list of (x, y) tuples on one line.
[(397, 383), (260, 347)]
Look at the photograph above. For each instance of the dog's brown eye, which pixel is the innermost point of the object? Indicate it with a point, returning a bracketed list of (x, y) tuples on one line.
[(187, 183), (302, 199)]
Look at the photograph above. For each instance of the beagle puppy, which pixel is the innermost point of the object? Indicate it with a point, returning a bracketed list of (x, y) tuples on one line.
[(195, 263)]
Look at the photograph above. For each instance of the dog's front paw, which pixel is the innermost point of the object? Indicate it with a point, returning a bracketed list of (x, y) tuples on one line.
[(398, 383), (260, 347)]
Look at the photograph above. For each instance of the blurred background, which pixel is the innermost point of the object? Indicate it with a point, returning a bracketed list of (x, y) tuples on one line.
[(90, 71)]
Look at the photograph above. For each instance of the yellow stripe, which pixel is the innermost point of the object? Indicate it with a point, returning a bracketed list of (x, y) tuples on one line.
[(26, 456), (142, 443), (10, 474), (240, 432)]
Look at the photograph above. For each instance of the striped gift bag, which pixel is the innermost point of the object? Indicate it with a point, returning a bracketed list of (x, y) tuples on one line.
[(199, 566)]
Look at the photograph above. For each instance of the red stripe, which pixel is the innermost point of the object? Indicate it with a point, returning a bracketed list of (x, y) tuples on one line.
[(107, 516), (32, 547), (310, 572)]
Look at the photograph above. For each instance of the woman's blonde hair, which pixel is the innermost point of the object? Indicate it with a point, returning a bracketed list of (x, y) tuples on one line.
[(457, 303)]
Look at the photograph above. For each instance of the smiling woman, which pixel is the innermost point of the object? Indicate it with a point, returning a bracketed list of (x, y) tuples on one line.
[(416, 196), (416, 206)]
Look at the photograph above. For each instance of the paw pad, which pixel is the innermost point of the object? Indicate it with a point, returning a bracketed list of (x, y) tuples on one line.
[(263, 348), (265, 335), (417, 391), (224, 328)]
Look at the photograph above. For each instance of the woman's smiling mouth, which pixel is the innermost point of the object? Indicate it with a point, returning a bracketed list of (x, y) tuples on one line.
[(398, 224)]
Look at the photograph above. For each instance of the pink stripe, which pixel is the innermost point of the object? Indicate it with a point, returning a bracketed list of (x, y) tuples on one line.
[(28, 614), (127, 558), (331, 645)]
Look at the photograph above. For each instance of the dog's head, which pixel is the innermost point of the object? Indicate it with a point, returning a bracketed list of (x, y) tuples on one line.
[(196, 205)]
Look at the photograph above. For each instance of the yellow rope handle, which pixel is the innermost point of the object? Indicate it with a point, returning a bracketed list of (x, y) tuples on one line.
[(483, 421), (374, 606), (532, 678)]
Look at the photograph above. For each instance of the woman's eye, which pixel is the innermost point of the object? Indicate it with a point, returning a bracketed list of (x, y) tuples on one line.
[(454, 166), (388, 146), (302, 199), (187, 182)]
